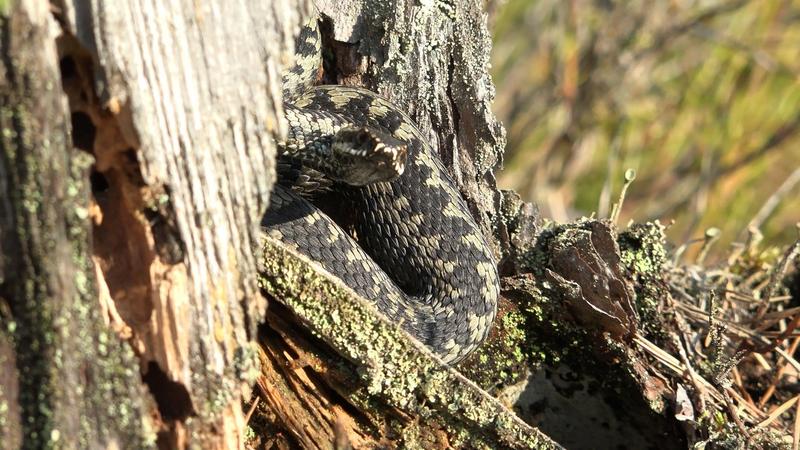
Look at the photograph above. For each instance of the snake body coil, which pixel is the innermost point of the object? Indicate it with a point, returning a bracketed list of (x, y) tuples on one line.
[(419, 255)]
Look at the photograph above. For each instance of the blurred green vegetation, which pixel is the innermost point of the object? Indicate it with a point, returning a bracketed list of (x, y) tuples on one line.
[(701, 98)]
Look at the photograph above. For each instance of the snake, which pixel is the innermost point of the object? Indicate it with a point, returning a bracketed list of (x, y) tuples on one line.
[(409, 244)]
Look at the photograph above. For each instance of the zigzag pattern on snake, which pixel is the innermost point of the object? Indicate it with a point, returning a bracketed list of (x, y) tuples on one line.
[(417, 252)]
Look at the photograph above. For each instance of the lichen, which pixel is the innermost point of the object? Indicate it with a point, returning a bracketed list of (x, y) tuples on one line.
[(643, 248), (725, 435), (116, 368), (643, 251), (394, 369), (56, 320), (502, 360)]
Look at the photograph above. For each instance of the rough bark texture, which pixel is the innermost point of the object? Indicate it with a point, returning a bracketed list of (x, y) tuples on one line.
[(155, 272), (181, 124), (67, 382), (184, 101)]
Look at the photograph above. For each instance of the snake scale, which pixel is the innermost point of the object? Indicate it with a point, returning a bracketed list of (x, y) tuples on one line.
[(412, 246)]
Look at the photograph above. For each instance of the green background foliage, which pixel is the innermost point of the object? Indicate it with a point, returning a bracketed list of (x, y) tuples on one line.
[(702, 98)]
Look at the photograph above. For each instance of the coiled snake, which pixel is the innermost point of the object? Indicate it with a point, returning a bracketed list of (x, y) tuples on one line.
[(418, 253)]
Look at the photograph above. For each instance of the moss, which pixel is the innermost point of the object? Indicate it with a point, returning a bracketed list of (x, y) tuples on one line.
[(116, 368), (394, 369), (643, 250), (503, 359), (720, 434)]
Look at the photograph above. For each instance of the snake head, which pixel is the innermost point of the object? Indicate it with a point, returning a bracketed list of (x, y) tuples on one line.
[(366, 155)]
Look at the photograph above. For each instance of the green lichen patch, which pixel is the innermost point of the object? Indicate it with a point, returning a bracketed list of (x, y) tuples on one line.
[(723, 434), (394, 369), (551, 336), (503, 359), (643, 250)]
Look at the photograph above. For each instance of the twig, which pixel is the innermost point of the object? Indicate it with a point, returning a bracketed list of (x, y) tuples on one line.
[(252, 409), (782, 365), (674, 365), (726, 394), (778, 411), (737, 378), (775, 199), (692, 374), (780, 338)]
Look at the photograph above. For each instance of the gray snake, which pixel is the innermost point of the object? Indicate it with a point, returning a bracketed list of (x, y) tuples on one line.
[(411, 245)]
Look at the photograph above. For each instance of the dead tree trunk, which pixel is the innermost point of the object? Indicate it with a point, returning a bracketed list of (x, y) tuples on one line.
[(136, 162), (162, 294), (66, 380)]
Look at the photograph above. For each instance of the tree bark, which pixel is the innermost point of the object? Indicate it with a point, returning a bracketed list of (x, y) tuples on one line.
[(66, 380), (432, 60), (129, 226), (181, 125)]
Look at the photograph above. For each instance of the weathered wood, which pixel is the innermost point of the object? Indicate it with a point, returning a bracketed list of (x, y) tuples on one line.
[(185, 99), (66, 381), (182, 124), (394, 379), (179, 103)]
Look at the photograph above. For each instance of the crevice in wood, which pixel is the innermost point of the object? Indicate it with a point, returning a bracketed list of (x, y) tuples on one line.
[(172, 398), (132, 245), (76, 385)]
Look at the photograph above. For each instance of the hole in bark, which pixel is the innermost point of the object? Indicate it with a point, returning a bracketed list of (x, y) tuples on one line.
[(83, 131), (67, 66), (124, 242), (121, 239), (99, 182), (341, 61), (121, 247), (171, 397), (168, 247)]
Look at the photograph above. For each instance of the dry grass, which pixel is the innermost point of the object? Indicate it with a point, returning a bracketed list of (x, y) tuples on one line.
[(702, 98)]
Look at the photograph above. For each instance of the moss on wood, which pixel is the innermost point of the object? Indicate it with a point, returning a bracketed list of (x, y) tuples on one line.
[(396, 370)]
